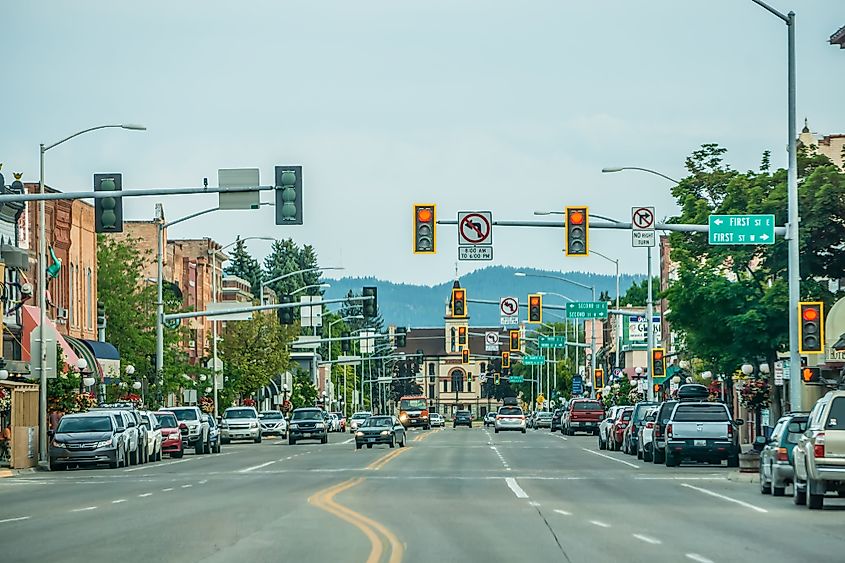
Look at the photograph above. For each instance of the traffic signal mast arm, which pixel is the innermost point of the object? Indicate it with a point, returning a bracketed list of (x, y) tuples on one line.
[(554, 307), (6, 198), (195, 314)]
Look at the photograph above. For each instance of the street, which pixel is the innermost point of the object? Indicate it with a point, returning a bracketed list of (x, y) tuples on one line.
[(450, 495)]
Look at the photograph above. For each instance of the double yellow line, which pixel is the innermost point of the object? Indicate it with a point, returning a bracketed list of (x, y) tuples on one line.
[(422, 437), (385, 459), (369, 527)]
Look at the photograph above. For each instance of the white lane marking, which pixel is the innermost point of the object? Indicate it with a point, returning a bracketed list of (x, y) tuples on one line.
[(563, 512), (699, 558), (612, 458), (501, 457), (87, 508), (118, 501), (599, 524), (18, 519), (254, 467), (514, 486), (145, 495), (167, 490), (140, 467), (647, 539), (187, 486), (203, 482), (532, 503), (681, 478), (723, 497), (349, 441)]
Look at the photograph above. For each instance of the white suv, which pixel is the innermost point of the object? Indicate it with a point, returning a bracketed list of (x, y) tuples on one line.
[(196, 428), (819, 457), (240, 423), (150, 422)]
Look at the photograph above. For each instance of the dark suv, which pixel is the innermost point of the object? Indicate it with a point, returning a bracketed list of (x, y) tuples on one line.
[(308, 424), (462, 418), (658, 443)]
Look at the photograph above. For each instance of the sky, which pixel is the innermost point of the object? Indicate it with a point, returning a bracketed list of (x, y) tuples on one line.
[(508, 107)]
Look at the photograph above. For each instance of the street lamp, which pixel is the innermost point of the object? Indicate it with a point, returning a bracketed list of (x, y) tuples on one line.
[(285, 276), (609, 169), (747, 369), (331, 324), (4, 374), (42, 279)]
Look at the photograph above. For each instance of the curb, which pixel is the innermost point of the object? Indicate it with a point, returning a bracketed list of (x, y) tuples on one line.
[(16, 472), (738, 477), (6, 473)]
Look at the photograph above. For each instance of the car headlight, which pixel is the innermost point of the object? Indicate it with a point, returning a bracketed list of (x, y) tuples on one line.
[(403, 415), (104, 443), (253, 425), (359, 433), (319, 425), (385, 432), (294, 426), (56, 444)]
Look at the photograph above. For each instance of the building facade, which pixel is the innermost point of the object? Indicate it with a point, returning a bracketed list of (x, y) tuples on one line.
[(832, 146)]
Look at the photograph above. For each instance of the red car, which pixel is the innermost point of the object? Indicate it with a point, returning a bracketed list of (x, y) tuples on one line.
[(171, 434), (617, 429)]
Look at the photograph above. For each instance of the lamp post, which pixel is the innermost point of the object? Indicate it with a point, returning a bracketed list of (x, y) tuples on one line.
[(42, 279), (130, 371), (85, 379), (285, 276), (331, 324)]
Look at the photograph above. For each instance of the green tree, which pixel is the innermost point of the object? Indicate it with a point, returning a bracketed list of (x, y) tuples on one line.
[(304, 393), (637, 294), (242, 264)]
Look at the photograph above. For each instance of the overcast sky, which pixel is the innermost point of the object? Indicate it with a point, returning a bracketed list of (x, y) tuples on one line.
[(472, 105)]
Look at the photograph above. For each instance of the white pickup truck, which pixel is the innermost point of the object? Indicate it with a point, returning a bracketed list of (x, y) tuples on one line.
[(701, 431)]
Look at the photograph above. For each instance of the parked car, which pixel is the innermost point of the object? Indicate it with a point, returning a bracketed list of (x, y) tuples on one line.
[(543, 420), (307, 424), (646, 435), (510, 418), (462, 418), (88, 438), (153, 432), (819, 455), (437, 419), (357, 418), (273, 423), (240, 423), (130, 423), (334, 423), (341, 420), (631, 436), (606, 423), (380, 430), (556, 416), (701, 431), (490, 419), (658, 443), (195, 433), (776, 469), (214, 437), (583, 415), (171, 435), (618, 427)]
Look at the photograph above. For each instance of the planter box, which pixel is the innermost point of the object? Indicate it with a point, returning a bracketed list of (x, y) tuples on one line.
[(749, 462)]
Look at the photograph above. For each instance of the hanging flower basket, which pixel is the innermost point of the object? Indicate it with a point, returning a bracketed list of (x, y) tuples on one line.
[(714, 391), (85, 401), (5, 400), (207, 405), (754, 395), (249, 402)]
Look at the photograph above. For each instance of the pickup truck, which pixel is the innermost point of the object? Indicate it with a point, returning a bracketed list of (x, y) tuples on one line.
[(701, 431), (819, 456), (583, 415)]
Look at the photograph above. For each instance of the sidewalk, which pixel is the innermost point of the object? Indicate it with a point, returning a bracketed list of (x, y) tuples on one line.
[(6, 472), (736, 476)]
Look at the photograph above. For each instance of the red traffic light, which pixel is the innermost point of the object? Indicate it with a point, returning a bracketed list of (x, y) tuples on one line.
[(658, 354), (576, 216), (424, 214), (810, 314)]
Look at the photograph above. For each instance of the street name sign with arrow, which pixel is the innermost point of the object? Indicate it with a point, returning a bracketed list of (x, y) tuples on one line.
[(741, 229)]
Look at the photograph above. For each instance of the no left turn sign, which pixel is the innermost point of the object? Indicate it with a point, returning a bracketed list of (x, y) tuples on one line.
[(475, 228)]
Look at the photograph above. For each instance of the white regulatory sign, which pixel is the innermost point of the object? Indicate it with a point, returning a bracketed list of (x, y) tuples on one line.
[(509, 307), (642, 218), (475, 228), (491, 341), (640, 238), (475, 253)]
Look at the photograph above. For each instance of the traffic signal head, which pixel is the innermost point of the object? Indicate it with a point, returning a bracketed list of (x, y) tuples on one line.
[(459, 302), (401, 336), (288, 195), (425, 227), (370, 306), (108, 211), (345, 344), (599, 378), (535, 308), (101, 314), (658, 362), (286, 313), (506, 360), (465, 355), (514, 340), (657, 387), (810, 375), (462, 336), (811, 326), (496, 379), (469, 377), (577, 231)]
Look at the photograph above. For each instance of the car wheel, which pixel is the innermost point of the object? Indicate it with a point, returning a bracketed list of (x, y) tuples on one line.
[(114, 464), (647, 455), (369, 446), (258, 439), (224, 440), (392, 443), (799, 493), (496, 430), (325, 439), (671, 460), (659, 457), (639, 453), (765, 486), (815, 502), (133, 458), (55, 466), (404, 439), (778, 491), (291, 441), (358, 446), (523, 430), (427, 427)]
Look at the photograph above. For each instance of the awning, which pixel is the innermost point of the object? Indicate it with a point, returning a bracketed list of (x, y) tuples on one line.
[(107, 358), (30, 317)]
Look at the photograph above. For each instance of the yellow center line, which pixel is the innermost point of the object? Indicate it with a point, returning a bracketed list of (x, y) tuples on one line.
[(379, 463), (325, 501)]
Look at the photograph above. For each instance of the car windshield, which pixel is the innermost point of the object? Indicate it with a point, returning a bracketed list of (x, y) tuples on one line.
[(361, 415), (239, 413), (307, 415), (186, 414), (641, 410), (272, 415), (510, 411), (544, 415), (836, 416), (378, 421), (626, 415), (69, 425), (587, 406), (412, 404), (701, 412), (167, 421), (462, 413)]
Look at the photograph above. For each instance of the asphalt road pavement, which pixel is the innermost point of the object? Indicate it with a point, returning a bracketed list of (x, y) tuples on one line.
[(451, 495)]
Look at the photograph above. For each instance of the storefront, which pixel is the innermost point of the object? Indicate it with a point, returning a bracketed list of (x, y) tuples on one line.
[(19, 421)]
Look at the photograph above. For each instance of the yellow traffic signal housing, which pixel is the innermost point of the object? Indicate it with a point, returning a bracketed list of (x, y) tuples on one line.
[(811, 327), (598, 377), (506, 360), (459, 302), (514, 340), (535, 308), (462, 336), (465, 355), (658, 362), (425, 228)]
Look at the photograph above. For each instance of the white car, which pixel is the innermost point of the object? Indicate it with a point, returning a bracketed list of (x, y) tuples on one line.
[(334, 423), (150, 422), (510, 418), (606, 423), (273, 423), (436, 419), (357, 419)]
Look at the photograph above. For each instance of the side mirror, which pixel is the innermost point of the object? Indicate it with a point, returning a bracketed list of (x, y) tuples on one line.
[(51, 433), (739, 422), (158, 426), (260, 416), (119, 431)]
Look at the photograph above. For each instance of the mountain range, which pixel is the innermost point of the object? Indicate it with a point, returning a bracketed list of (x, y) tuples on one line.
[(424, 306)]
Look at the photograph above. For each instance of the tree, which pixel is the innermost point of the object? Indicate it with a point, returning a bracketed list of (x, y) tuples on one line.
[(304, 394), (637, 294), (242, 264)]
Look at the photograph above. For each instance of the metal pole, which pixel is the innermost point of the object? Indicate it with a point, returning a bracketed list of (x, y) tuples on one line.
[(619, 323), (794, 221), (214, 327), (160, 301), (649, 312), (42, 305), (593, 345)]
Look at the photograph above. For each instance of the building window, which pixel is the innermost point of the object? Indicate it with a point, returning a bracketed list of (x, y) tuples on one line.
[(89, 297), (445, 385), (72, 296), (431, 368), (431, 391)]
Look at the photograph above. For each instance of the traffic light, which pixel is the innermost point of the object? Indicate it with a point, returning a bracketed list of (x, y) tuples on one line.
[(345, 345), (535, 308), (657, 388), (577, 231), (108, 211), (425, 227), (465, 356), (506, 360), (401, 336), (459, 302), (658, 362), (286, 316), (469, 375), (288, 195), (370, 306), (496, 379), (514, 340), (811, 375), (462, 336), (811, 337), (599, 378), (101, 314)]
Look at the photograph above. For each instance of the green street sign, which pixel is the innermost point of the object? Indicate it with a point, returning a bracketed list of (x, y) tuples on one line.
[(516, 379), (742, 229), (533, 360), (586, 310), (551, 341)]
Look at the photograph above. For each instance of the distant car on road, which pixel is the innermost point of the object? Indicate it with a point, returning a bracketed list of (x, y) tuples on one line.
[(214, 438), (413, 411), (171, 434), (357, 419), (646, 435), (490, 419), (240, 423), (618, 427), (341, 421), (510, 418), (437, 419), (606, 423), (273, 423), (583, 415), (196, 433), (380, 430), (631, 436), (776, 470), (153, 433), (307, 424), (462, 418), (543, 420)]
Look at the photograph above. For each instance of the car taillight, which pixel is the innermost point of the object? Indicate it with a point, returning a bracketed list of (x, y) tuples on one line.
[(782, 455), (818, 445), (183, 425), (649, 425), (669, 430), (730, 430), (657, 431)]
